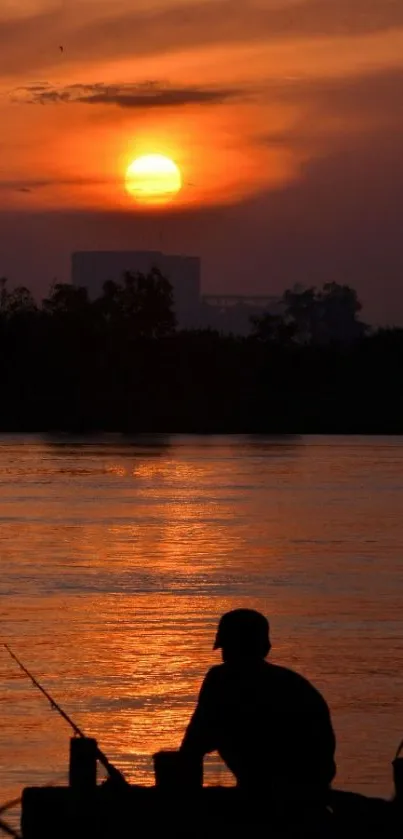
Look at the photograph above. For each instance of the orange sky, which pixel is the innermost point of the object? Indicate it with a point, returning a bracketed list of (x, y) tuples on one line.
[(235, 92), (250, 97)]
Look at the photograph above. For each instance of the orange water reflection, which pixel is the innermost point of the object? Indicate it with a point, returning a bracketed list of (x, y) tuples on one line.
[(118, 559)]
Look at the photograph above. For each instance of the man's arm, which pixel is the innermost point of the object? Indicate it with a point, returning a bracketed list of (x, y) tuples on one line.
[(320, 737), (201, 734)]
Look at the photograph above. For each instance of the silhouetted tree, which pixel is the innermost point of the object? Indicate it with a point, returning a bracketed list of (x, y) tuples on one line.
[(300, 309), (3, 293), (66, 299), (117, 363), (340, 309), (140, 303), (17, 301), (323, 316), (273, 329)]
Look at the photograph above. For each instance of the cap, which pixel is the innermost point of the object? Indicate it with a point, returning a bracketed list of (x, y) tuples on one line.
[(243, 628)]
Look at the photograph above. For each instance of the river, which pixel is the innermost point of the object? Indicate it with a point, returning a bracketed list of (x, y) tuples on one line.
[(118, 556)]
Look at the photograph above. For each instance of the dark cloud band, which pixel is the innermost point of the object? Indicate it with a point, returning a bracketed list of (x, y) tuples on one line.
[(149, 95)]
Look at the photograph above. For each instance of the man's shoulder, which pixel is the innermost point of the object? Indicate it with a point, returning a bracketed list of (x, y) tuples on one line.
[(280, 672), (213, 682), (265, 668), (215, 674), (275, 676), (294, 681)]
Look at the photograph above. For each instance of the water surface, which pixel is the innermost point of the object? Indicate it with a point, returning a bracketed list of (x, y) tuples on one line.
[(117, 558)]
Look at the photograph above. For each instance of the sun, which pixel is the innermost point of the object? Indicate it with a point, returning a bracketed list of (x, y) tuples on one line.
[(153, 179)]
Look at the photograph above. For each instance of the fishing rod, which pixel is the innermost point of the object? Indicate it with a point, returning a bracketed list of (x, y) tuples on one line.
[(9, 804), (9, 830), (114, 774)]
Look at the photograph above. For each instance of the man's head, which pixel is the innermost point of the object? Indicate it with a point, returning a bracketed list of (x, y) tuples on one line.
[(243, 634)]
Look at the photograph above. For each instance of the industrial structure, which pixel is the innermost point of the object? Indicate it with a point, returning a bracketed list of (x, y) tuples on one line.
[(233, 313), (226, 313)]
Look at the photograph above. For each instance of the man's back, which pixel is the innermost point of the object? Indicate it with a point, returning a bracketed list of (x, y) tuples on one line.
[(269, 724)]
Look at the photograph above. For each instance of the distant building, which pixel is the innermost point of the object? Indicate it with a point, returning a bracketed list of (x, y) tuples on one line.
[(91, 269), (226, 313)]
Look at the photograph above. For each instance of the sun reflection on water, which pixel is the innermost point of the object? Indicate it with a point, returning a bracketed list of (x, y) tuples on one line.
[(117, 561)]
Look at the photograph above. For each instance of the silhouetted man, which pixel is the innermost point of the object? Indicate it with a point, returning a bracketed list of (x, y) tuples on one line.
[(269, 724)]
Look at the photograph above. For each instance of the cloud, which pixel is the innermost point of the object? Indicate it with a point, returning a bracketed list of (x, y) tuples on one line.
[(336, 112), (146, 95), (349, 92), (30, 185), (369, 91), (26, 186), (93, 33)]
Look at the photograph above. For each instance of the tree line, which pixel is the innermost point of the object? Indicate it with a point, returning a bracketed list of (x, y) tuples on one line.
[(119, 363)]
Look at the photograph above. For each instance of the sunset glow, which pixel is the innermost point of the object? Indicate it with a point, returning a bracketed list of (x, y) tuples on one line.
[(153, 178), (277, 117)]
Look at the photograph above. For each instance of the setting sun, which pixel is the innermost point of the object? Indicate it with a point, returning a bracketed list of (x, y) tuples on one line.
[(153, 178)]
